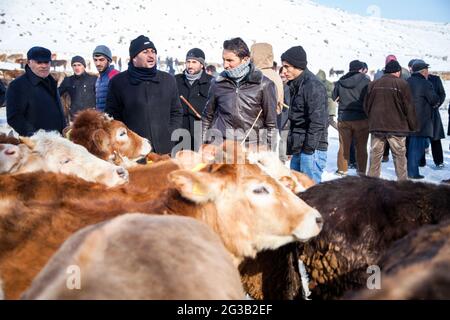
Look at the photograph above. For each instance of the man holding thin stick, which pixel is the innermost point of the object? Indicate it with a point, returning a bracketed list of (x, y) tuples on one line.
[(241, 101), (193, 86)]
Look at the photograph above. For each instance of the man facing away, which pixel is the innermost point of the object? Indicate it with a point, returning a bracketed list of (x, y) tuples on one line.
[(350, 91), (425, 100), (145, 98), (392, 117), (32, 100)]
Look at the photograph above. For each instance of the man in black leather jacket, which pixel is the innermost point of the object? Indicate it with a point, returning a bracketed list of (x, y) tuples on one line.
[(241, 102)]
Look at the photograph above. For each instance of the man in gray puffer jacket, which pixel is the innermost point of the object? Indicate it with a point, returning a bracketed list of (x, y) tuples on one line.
[(241, 101)]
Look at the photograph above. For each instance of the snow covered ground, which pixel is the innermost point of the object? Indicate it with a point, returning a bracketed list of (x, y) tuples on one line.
[(387, 169)]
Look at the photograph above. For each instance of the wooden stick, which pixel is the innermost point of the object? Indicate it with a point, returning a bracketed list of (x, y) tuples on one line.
[(191, 107), (251, 128)]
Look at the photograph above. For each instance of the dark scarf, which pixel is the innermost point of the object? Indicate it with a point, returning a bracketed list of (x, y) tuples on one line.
[(141, 74)]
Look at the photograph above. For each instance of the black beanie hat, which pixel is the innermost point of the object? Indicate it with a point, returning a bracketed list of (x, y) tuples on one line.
[(295, 56), (392, 67), (78, 59), (355, 65), (139, 44), (196, 54)]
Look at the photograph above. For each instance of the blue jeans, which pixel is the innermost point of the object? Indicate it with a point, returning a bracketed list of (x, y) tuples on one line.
[(321, 163), (416, 148), (310, 164)]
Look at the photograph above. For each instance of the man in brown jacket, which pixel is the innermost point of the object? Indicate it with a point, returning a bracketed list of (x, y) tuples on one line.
[(392, 117)]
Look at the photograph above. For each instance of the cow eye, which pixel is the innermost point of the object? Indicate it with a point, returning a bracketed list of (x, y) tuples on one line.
[(65, 161), (261, 190), (123, 133)]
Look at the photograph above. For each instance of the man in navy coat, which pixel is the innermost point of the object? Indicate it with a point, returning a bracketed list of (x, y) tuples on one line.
[(32, 100)]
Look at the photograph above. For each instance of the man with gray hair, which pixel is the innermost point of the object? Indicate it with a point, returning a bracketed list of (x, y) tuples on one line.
[(102, 59), (425, 99)]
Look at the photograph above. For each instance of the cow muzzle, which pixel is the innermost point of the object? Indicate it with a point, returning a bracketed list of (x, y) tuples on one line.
[(309, 227)]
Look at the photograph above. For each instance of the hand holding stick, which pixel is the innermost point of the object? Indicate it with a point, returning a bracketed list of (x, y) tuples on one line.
[(191, 107)]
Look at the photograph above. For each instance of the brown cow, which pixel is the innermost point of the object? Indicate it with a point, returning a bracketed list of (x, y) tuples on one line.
[(10, 75), (107, 138), (13, 57), (415, 267), (136, 256), (363, 216), (249, 210), (48, 151)]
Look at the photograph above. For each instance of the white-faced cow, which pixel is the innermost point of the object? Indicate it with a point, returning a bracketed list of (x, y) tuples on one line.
[(248, 209), (48, 151), (107, 138), (141, 257)]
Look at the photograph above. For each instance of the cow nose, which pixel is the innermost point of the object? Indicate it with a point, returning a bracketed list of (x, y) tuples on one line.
[(122, 173)]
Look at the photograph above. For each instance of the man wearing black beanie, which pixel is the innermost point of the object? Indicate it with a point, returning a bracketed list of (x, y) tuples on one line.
[(80, 87), (392, 117), (193, 84), (145, 98), (308, 134), (349, 92)]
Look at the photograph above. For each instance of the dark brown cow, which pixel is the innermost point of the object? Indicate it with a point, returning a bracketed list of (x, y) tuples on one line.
[(248, 209), (415, 267), (141, 257), (106, 138), (363, 216)]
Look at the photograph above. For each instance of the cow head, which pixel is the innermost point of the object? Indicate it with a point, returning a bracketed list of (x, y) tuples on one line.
[(271, 164), (48, 151), (249, 209), (106, 138)]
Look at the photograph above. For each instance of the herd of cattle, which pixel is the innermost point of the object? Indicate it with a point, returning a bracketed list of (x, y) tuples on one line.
[(213, 224)]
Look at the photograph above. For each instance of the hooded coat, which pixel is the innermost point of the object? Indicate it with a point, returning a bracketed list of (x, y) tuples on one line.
[(351, 90), (262, 57)]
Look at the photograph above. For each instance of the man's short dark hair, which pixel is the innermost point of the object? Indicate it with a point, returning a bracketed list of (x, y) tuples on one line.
[(211, 68), (238, 46)]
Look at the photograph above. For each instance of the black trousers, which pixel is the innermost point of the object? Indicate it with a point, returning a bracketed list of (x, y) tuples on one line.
[(436, 151)]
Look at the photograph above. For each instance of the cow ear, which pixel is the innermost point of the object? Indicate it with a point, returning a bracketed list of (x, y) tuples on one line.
[(101, 140), (188, 159), (303, 180), (194, 186), (28, 142)]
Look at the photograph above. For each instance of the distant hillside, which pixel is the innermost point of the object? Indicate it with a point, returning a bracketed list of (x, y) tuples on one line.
[(331, 37)]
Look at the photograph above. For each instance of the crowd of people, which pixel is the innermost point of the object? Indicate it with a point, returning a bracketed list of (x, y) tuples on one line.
[(252, 101)]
